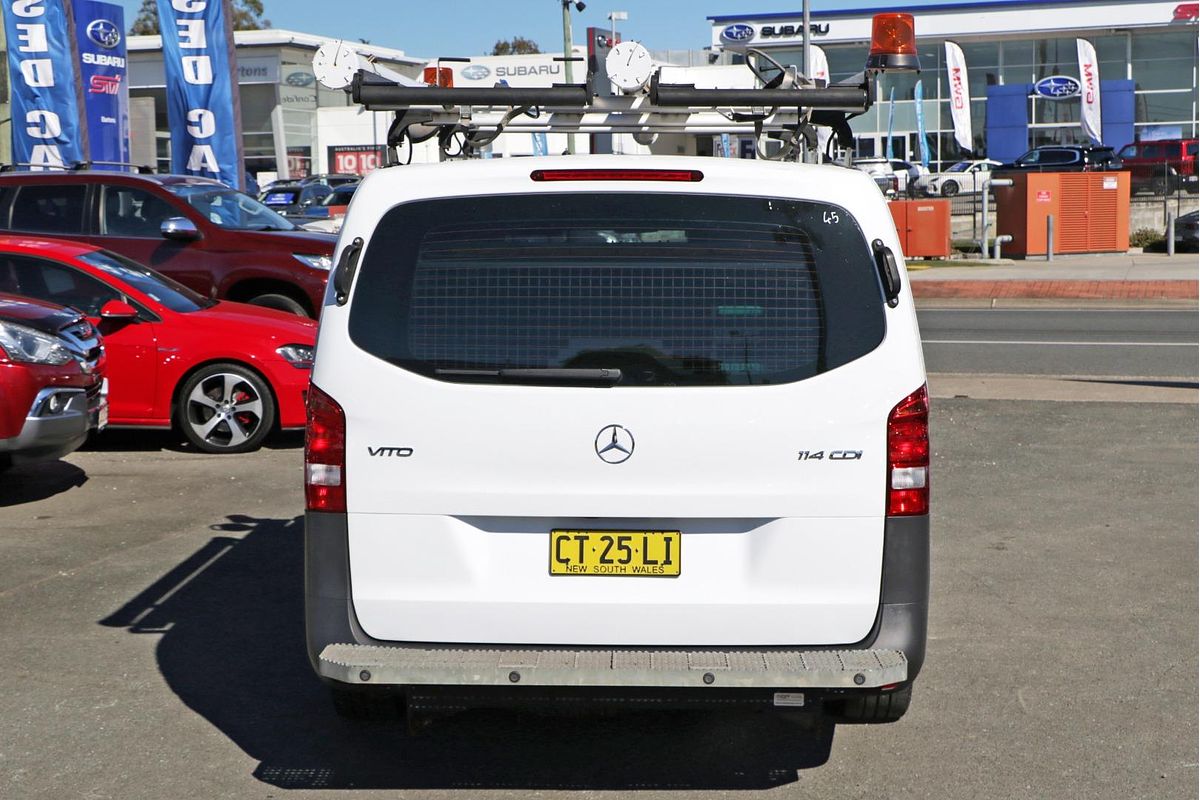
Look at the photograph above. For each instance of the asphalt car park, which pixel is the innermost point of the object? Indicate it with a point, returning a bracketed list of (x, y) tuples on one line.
[(151, 600)]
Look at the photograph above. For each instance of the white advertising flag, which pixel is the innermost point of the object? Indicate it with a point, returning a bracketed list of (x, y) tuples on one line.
[(818, 70), (818, 65), (960, 95), (1089, 89)]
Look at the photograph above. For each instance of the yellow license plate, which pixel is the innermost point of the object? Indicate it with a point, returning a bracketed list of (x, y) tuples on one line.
[(637, 554)]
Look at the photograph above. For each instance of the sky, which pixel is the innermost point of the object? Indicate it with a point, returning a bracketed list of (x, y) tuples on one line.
[(435, 28)]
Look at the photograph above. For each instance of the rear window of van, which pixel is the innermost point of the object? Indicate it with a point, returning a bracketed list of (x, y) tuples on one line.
[(672, 290)]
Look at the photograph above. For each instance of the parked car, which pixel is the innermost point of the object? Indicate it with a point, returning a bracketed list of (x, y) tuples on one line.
[(52, 380), (333, 180), (965, 177), (293, 199), (907, 174), (1187, 231), (554, 443), (329, 214), (1065, 158), (224, 374), (216, 241), (1162, 166)]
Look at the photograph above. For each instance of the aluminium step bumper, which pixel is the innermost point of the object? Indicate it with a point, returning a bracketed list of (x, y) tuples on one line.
[(742, 668)]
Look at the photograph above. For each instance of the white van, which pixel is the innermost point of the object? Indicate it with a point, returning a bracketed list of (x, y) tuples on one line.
[(644, 430)]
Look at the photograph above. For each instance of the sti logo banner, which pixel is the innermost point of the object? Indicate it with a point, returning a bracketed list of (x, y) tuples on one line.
[(47, 96), (102, 66), (203, 106), (1057, 87)]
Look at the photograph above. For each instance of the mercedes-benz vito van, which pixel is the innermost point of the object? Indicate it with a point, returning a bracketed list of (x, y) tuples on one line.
[(629, 429)]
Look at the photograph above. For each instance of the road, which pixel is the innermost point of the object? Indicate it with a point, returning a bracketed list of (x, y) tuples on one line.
[(1149, 342), (151, 615)]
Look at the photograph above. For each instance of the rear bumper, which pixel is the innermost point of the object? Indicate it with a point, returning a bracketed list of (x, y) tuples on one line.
[(893, 652)]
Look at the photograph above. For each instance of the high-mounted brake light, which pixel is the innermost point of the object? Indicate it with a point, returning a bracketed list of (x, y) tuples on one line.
[(324, 454), (670, 175), (893, 44), (908, 456), (439, 76)]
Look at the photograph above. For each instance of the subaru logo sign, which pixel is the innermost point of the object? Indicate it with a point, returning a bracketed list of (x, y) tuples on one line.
[(1057, 87), (104, 33), (476, 72), (300, 79), (738, 33)]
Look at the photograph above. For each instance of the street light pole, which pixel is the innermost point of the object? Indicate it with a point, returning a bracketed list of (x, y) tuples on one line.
[(568, 52)]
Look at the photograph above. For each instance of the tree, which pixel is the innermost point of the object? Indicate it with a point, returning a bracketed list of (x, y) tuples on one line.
[(517, 46), (247, 16)]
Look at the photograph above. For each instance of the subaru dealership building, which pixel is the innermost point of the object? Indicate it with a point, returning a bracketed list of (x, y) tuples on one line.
[(1147, 54)]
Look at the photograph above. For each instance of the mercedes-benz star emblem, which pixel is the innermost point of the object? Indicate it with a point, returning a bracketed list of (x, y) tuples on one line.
[(614, 444)]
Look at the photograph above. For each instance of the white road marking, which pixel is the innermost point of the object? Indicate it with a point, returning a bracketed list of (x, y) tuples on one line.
[(1062, 344)]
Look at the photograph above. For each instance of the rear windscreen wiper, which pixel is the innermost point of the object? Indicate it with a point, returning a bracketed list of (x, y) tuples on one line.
[(556, 374)]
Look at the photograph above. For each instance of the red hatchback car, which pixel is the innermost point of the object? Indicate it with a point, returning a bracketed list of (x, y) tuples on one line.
[(224, 374), (51, 381)]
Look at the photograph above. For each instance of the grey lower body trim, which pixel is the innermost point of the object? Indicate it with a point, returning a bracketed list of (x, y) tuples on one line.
[(340, 650)]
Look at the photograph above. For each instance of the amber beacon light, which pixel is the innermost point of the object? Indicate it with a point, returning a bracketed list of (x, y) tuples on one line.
[(893, 44)]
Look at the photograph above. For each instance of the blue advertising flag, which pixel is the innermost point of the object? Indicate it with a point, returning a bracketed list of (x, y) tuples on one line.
[(102, 68), (203, 107), (47, 107), (919, 96)]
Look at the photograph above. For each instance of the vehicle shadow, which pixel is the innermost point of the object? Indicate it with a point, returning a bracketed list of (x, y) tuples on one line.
[(30, 483), (232, 648), (153, 440)]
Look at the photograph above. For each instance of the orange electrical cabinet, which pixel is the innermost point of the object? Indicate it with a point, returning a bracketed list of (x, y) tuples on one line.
[(1090, 210), (923, 226)]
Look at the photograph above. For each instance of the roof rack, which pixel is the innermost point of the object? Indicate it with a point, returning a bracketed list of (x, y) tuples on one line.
[(786, 105), (78, 166)]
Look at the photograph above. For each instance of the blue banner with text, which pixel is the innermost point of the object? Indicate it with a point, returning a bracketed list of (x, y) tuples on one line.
[(102, 66), (46, 103), (203, 108)]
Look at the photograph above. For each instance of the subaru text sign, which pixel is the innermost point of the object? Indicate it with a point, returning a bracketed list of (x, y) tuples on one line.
[(47, 115), (102, 67), (1057, 87), (738, 33), (203, 107)]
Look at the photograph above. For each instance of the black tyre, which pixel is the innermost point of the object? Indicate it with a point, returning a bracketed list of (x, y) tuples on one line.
[(225, 408), (872, 707), (364, 705), (280, 302), (949, 188)]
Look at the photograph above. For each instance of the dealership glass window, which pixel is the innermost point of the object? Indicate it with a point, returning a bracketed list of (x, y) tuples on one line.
[(1165, 106), (845, 61), (1165, 60)]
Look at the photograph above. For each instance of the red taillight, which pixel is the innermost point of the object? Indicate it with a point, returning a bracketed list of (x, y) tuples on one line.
[(676, 175), (908, 456), (324, 454), (439, 76)]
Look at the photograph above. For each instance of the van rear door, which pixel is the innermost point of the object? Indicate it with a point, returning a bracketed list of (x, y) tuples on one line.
[(713, 371)]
